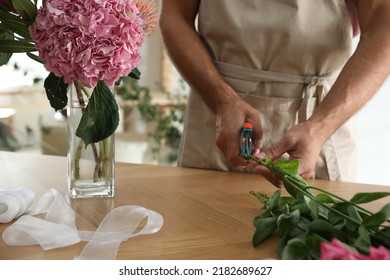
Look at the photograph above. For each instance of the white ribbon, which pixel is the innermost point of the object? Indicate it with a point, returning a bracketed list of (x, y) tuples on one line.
[(58, 229), (14, 203)]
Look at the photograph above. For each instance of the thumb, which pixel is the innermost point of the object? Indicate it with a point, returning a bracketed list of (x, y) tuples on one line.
[(274, 152), (257, 137)]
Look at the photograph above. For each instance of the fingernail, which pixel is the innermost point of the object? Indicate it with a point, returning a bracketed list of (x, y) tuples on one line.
[(262, 155)]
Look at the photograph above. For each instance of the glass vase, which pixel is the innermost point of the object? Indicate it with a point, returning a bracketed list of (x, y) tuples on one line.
[(90, 168)]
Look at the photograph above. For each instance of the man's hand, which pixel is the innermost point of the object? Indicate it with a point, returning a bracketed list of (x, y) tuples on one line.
[(230, 118), (300, 142)]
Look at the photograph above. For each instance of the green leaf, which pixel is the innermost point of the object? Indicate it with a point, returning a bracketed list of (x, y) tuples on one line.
[(4, 57), (313, 242), (273, 201), (25, 8), (264, 228), (381, 237), (363, 242), (302, 208), (324, 198), (295, 250), (286, 200), (336, 220), (295, 185), (135, 74), (14, 24), (313, 206), (299, 182), (101, 117), (56, 91), (360, 198), (378, 218), (287, 222), (288, 167), (348, 210), (16, 46), (326, 230), (354, 213), (291, 188)]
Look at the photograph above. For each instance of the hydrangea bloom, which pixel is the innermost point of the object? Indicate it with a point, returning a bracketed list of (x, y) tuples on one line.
[(88, 40), (335, 250)]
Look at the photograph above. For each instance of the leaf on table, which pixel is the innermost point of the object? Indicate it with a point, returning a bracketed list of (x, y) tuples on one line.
[(336, 220), (273, 201), (363, 242), (354, 213), (378, 218), (264, 228), (287, 222), (295, 250), (360, 198), (313, 206), (381, 237), (326, 230), (324, 198)]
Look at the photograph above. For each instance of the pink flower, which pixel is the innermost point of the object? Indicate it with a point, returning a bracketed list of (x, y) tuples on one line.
[(335, 250), (88, 40)]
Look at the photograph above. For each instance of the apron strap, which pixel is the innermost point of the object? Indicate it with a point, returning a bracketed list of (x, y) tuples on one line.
[(259, 75)]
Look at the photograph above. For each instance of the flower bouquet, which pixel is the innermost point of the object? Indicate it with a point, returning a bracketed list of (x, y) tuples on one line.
[(87, 46), (317, 224)]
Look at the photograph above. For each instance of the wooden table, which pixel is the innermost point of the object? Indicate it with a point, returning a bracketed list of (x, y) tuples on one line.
[(207, 214)]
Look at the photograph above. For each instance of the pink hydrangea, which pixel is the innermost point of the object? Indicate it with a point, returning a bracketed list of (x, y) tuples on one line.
[(88, 40), (335, 250)]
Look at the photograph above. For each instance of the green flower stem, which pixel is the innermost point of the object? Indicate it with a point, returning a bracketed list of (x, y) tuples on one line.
[(104, 151), (79, 94), (342, 199), (311, 196), (77, 159), (85, 91), (97, 170), (263, 198)]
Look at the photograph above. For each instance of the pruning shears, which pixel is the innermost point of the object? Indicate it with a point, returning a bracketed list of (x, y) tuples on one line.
[(247, 132)]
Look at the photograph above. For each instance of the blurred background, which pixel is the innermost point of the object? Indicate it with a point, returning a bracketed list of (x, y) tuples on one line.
[(151, 115)]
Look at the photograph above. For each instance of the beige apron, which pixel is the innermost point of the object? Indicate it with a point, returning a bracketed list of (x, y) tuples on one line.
[(282, 57)]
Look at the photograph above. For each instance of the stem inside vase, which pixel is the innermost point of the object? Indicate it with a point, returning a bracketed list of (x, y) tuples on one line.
[(91, 167)]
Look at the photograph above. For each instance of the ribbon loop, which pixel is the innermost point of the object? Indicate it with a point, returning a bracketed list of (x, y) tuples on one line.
[(58, 229)]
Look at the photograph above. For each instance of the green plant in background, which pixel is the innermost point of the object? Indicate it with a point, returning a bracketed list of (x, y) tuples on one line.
[(131, 90), (306, 219), (168, 119), (8, 142), (169, 131)]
